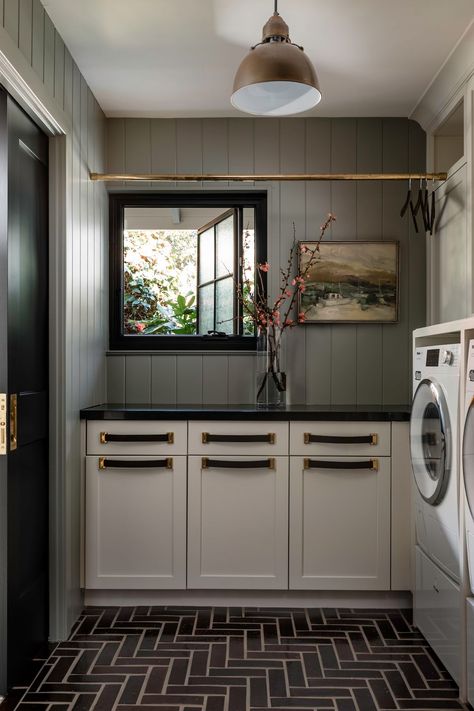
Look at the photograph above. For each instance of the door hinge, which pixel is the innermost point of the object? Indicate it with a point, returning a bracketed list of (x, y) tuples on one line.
[(3, 424)]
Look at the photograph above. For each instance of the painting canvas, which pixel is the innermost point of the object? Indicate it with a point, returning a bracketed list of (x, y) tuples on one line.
[(351, 282)]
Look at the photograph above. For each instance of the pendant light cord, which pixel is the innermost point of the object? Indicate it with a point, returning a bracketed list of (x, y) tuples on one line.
[(276, 7)]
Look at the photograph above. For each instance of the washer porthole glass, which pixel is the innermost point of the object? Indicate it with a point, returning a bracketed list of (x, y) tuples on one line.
[(430, 441)]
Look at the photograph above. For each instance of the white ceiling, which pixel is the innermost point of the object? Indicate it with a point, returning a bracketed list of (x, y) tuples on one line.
[(178, 57)]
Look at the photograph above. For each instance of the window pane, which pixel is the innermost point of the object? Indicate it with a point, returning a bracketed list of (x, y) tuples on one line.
[(206, 255), (225, 305), (225, 247), (248, 287), (206, 308), (159, 281)]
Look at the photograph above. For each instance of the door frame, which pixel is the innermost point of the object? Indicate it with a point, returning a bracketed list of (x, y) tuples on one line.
[(20, 81)]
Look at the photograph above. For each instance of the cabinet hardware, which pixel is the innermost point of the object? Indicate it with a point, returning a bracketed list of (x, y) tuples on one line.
[(3, 424), (106, 437), (371, 439), (135, 464), (333, 464), (13, 422), (207, 463), (270, 438)]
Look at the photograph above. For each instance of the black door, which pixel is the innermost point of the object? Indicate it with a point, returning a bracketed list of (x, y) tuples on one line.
[(26, 294)]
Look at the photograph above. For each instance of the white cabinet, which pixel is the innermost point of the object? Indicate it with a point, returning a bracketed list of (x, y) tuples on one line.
[(247, 505), (135, 523), (470, 649), (340, 523), (238, 522), (437, 612)]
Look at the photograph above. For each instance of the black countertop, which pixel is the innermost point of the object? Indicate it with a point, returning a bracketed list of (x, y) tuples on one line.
[(363, 413)]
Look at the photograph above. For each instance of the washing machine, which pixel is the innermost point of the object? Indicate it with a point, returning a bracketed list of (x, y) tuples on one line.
[(468, 478), (434, 434)]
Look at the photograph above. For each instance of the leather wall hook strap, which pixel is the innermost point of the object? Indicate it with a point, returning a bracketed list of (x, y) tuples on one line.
[(425, 209), (407, 202), (433, 212)]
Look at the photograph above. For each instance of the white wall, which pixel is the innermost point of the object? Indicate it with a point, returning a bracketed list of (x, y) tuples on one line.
[(450, 253)]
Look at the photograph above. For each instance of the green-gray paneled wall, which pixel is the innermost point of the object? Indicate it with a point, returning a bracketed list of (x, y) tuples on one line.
[(327, 364), (83, 333)]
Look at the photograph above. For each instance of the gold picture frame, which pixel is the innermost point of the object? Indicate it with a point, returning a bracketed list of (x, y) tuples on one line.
[(351, 282)]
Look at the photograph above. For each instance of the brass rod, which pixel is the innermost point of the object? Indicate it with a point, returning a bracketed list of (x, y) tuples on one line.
[(207, 177)]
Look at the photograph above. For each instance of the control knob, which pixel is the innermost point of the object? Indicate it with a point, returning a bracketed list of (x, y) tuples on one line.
[(447, 357)]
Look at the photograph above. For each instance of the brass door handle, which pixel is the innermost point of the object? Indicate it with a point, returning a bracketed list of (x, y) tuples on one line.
[(337, 439), (207, 463), (106, 437), (372, 464), (3, 424), (13, 422), (105, 463), (208, 437)]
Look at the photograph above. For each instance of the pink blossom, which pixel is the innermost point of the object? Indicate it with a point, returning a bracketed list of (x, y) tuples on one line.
[(287, 292), (265, 267), (140, 327), (301, 317), (303, 248), (289, 322), (293, 282)]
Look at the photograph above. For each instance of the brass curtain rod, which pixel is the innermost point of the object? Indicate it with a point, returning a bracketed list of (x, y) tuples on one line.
[(207, 177)]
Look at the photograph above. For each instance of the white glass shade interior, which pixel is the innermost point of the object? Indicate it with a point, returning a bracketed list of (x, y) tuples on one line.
[(275, 98)]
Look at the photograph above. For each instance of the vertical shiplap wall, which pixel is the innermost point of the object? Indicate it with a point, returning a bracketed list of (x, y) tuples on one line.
[(327, 364), (81, 258)]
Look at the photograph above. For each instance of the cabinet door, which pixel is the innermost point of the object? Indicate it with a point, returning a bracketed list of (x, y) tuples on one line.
[(135, 523), (339, 524), (238, 523)]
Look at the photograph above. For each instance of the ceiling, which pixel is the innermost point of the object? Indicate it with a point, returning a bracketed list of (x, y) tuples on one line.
[(177, 58)]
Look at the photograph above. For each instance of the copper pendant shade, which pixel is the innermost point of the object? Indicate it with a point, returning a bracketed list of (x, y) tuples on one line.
[(276, 78)]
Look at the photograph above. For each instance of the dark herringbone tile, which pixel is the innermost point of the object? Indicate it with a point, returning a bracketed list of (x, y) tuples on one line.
[(239, 659)]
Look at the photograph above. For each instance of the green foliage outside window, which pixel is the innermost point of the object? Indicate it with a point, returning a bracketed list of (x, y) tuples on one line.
[(160, 282)]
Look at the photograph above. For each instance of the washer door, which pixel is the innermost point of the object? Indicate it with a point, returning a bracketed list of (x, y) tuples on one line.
[(468, 457), (430, 441)]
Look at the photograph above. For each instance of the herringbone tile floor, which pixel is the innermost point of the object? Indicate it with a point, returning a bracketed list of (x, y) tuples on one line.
[(241, 659)]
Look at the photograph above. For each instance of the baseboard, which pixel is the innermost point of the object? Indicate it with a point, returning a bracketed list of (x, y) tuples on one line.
[(249, 598)]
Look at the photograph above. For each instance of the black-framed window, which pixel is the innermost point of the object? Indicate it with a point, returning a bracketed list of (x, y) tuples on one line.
[(177, 262)]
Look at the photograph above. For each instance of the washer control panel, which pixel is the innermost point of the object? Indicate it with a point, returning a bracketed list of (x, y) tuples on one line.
[(439, 357)]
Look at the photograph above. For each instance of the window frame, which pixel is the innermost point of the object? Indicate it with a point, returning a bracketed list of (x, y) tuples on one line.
[(230, 199)]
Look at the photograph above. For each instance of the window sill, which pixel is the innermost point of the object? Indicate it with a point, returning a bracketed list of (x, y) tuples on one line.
[(155, 351)]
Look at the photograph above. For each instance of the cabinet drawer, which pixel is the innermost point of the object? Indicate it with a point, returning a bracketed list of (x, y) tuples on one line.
[(238, 438), (136, 437), (340, 438), (437, 612)]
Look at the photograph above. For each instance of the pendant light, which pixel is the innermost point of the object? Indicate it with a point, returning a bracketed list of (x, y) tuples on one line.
[(276, 78)]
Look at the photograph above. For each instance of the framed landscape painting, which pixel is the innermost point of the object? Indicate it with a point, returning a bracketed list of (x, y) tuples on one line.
[(351, 282)]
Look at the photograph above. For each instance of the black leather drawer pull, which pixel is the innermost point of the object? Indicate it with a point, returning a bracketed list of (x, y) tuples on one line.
[(207, 437), (333, 464), (242, 464), (105, 437), (135, 463), (336, 439)]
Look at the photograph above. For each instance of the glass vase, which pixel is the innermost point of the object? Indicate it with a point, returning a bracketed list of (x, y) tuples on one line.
[(271, 376)]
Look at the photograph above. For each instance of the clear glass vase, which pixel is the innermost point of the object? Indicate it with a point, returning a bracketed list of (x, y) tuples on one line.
[(271, 376)]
